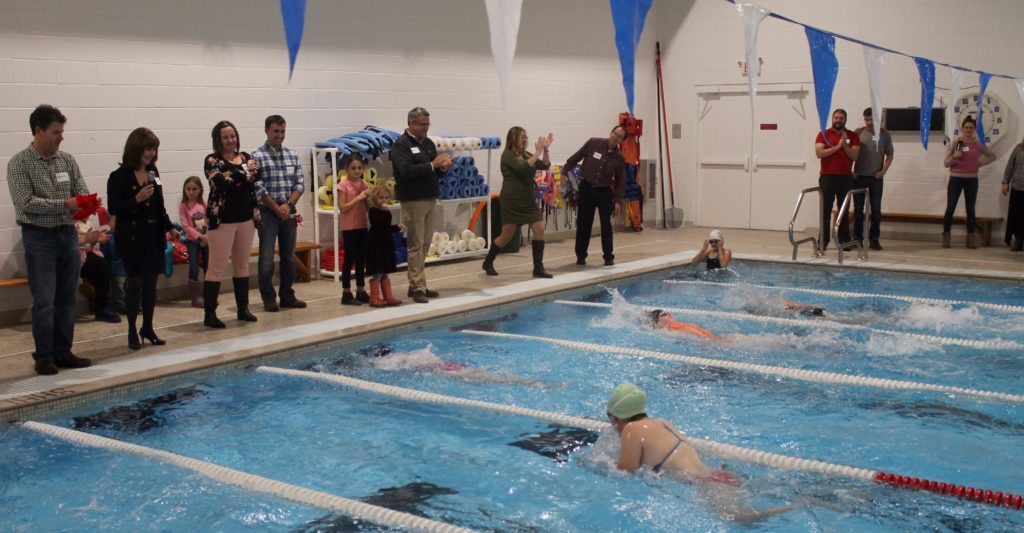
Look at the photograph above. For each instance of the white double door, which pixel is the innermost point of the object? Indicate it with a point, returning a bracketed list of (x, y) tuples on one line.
[(752, 181)]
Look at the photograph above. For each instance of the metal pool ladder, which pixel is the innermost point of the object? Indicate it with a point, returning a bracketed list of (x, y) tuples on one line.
[(796, 244)]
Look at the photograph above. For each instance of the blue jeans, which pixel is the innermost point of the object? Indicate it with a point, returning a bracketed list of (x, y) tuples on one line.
[(272, 231), (198, 256), (969, 186), (874, 187), (53, 262)]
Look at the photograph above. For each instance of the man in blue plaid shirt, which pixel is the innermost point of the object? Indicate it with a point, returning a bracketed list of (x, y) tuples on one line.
[(280, 186), (43, 182)]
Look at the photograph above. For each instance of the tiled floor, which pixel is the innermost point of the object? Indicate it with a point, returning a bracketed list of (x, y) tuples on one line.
[(463, 287)]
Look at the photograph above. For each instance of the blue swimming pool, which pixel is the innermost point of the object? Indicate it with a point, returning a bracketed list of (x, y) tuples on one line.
[(484, 470)]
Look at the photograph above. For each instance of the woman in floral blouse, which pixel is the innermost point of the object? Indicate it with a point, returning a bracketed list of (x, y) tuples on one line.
[(231, 211)]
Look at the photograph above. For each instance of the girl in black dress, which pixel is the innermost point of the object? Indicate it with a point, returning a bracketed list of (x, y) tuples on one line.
[(135, 196), (380, 255)]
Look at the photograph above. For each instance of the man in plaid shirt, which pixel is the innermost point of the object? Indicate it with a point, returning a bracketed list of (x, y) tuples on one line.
[(43, 182), (280, 186)]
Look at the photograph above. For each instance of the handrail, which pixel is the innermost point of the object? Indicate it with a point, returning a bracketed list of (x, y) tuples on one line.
[(841, 218), (796, 244)]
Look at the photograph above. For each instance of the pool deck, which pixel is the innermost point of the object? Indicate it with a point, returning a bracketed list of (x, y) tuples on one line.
[(463, 286)]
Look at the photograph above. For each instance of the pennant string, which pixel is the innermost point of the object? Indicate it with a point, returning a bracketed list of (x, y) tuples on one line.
[(865, 43)]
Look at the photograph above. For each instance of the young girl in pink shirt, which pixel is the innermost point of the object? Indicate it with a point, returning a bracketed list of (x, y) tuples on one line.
[(352, 193), (192, 214)]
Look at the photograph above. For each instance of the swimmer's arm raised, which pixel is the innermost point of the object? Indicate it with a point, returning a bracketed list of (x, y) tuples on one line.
[(725, 257)]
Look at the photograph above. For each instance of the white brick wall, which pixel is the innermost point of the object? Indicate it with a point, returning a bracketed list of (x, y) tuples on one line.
[(179, 67), (703, 40)]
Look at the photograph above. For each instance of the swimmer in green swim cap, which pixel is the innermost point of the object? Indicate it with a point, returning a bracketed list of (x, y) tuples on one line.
[(656, 443)]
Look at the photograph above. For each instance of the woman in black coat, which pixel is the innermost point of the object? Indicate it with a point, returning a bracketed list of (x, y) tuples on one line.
[(135, 196)]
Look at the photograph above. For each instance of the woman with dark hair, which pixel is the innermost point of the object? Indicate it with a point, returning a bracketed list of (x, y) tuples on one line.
[(232, 214), (135, 196), (963, 159), (518, 204)]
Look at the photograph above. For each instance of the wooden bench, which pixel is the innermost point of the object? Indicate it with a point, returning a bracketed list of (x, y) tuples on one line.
[(13, 282), (304, 259), (984, 223)]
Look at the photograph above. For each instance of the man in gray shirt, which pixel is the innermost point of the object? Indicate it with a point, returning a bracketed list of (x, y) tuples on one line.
[(869, 169)]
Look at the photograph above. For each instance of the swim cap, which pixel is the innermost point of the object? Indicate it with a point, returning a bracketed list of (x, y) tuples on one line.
[(627, 401), (715, 235), (655, 315)]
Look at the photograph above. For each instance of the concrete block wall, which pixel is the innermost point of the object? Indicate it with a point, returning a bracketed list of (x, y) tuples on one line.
[(179, 67), (703, 40)]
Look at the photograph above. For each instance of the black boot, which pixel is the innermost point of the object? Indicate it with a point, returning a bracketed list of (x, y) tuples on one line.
[(211, 289), (242, 299), (538, 260), (133, 337), (489, 262)]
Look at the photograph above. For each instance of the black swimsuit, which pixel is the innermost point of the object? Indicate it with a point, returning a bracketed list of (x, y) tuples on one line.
[(714, 263)]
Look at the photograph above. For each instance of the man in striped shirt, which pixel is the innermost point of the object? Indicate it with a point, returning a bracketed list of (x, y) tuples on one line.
[(43, 183), (280, 186)]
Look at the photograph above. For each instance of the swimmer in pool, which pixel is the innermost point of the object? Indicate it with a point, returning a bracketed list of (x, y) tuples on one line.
[(713, 254), (384, 358), (790, 308), (657, 444), (659, 319)]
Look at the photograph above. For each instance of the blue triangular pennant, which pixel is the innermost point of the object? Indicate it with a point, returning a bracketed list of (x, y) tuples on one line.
[(628, 17), (825, 68), (293, 14), (983, 80), (926, 70)]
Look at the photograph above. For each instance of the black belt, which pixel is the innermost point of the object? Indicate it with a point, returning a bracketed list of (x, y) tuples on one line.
[(55, 229)]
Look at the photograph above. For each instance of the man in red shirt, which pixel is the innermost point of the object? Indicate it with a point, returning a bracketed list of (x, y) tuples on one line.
[(838, 148)]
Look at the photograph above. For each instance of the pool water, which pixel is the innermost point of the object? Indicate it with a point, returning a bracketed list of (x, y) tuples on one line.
[(496, 472)]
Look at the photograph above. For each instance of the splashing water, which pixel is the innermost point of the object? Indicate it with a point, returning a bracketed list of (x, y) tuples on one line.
[(422, 359), (621, 315), (939, 316)]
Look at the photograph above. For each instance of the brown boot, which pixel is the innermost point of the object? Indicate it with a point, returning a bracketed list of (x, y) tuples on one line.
[(195, 292), (945, 239), (970, 241), (375, 297), (389, 297)]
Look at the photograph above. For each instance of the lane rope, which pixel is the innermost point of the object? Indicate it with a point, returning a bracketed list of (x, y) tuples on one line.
[(251, 482), (814, 376), (823, 324), (851, 294), (725, 451)]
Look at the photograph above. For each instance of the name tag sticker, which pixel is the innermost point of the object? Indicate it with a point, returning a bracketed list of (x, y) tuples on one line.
[(62, 177), (415, 150), (967, 149), (597, 155)]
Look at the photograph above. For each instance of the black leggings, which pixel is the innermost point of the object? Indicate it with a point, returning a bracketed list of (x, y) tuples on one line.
[(144, 285), (96, 271), (356, 241)]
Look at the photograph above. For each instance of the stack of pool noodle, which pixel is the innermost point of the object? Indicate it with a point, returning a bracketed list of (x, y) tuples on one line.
[(463, 180)]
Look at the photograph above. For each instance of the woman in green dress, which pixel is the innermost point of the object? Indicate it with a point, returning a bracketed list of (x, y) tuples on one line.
[(518, 203)]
